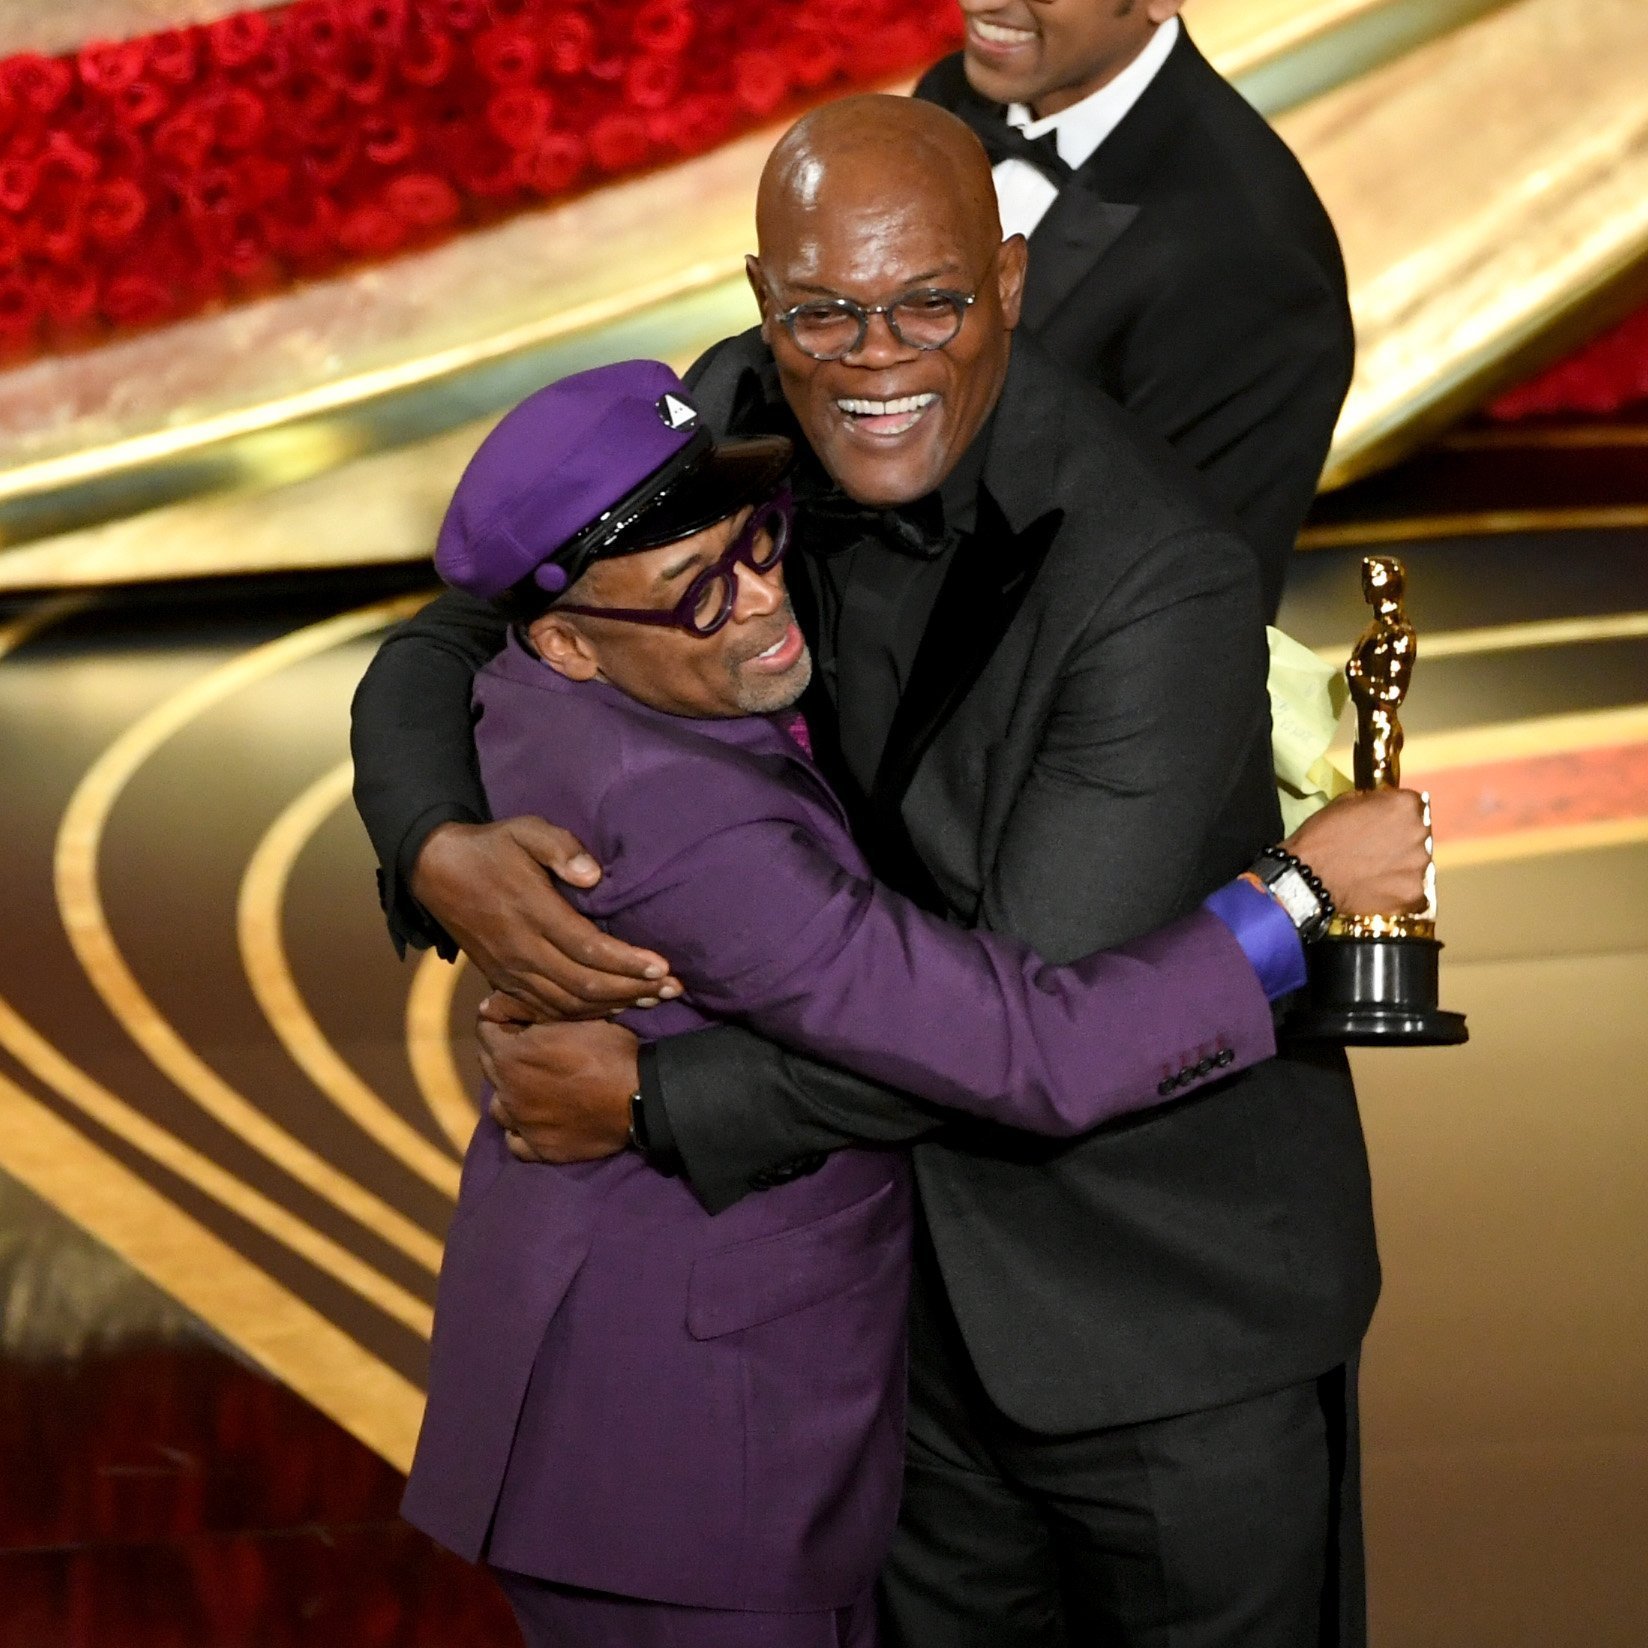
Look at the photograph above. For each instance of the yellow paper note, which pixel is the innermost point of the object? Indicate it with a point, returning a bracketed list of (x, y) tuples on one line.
[(1306, 698)]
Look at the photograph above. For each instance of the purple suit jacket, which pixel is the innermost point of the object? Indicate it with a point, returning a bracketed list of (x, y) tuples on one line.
[(631, 1395)]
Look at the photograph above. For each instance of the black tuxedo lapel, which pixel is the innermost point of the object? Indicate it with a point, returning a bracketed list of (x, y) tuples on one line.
[(1067, 245), (992, 572), (1079, 228), (1096, 207)]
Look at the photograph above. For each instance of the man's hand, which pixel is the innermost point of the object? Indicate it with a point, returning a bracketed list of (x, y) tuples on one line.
[(487, 886), (1369, 848), (561, 1091)]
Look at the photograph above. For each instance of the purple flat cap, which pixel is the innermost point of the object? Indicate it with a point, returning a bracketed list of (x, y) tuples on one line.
[(606, 462)]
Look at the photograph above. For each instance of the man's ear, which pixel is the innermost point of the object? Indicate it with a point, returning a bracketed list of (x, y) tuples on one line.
[(1158, 11), (1011, 263), (763, 299), (564, 647)]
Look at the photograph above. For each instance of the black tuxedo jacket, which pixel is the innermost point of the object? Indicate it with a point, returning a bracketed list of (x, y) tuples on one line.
[(1189, 270), (1082, 753)]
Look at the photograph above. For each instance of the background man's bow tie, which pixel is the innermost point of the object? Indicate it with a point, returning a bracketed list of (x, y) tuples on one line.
[(1006, 142)]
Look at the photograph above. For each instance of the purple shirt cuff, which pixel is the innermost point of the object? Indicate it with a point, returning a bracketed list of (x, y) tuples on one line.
[(1266, 934)]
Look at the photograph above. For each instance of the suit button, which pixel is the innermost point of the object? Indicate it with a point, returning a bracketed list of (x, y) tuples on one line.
[(1171, 1085), (1226, 1058), (769, 1178)]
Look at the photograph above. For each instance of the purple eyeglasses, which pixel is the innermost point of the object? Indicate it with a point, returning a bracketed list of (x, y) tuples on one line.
[(712, 595)]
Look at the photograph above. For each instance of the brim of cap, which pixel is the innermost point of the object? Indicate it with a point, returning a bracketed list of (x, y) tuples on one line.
[(728, 476)]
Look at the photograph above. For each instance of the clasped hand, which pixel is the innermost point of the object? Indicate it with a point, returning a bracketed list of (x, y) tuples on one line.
[(561, 1072)]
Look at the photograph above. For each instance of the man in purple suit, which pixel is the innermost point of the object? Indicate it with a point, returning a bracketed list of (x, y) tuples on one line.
[(663, 1426)]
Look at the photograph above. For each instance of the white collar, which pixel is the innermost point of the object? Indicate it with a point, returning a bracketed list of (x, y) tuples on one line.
[(1082, 127)]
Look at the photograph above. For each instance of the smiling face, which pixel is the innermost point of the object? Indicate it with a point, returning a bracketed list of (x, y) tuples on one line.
[(756, 663), (873, 199), (1049, 54)]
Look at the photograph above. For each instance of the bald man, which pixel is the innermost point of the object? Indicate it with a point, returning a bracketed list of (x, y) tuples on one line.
[(1041, 691)]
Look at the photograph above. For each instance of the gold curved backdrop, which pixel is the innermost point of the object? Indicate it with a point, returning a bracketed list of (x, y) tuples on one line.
[(1486, 162)]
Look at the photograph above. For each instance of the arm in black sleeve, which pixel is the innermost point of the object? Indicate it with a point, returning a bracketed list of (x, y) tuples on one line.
[(740, 1111), (411, 735)]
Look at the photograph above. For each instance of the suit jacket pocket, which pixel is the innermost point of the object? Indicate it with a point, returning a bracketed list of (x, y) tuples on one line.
[(734, 1288)]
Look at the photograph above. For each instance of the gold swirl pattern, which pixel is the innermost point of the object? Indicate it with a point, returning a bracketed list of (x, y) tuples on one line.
[(263, 954), (86, 924)]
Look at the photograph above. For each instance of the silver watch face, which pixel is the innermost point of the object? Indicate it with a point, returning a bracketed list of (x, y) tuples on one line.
[(1293, 893)]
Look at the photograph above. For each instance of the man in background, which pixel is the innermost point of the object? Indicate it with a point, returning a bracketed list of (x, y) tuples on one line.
[(1179, 258)]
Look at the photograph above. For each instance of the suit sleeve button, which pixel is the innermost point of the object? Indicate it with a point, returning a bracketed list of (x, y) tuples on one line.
[(1226, 1058)]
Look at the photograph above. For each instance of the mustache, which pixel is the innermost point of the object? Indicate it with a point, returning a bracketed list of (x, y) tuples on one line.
[(753, 646)]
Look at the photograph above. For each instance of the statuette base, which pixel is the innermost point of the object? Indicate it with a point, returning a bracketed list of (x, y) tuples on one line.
[(1376, 992)]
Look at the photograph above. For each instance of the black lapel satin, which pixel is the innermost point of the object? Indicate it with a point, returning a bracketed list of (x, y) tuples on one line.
[(1096, 208), (816, 703), (1128, 164), (982, 593), (1067, 246)]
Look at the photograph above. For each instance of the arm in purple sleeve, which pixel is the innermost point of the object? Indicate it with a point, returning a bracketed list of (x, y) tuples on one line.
[(766, 928)]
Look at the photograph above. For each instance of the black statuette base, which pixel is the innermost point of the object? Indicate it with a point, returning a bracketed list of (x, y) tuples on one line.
[(1376, 992)]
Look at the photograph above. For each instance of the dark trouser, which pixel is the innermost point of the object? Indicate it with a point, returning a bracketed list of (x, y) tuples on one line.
[(561, 1616), (1235, 1527)]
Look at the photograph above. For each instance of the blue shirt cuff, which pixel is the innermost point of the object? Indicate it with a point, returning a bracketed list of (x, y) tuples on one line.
[(1266, 934)]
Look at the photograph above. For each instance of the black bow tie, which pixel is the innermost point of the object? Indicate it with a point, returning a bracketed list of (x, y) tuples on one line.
[(1003, 141), (837, 521)]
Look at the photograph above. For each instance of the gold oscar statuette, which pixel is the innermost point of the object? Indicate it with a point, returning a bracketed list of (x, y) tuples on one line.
[(1374, 978)]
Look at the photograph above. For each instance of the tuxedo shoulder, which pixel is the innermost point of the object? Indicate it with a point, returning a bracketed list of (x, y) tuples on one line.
[(1106, 462), (1227, 187), (715, 377), (1208, 217), (1211, 254), (1221, 122), (1126, 498), (945, 83), (1130, 505)]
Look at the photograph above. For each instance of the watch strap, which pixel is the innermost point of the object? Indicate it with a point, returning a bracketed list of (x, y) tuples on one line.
[(1297, 888)]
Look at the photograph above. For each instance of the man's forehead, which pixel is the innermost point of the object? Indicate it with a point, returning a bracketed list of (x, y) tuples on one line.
[(875, 240)]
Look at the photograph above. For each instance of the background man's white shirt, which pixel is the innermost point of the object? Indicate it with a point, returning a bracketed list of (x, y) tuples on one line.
[(1023, 193)]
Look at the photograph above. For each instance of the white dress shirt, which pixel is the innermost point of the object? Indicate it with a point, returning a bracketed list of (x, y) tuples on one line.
[(1023, 193)]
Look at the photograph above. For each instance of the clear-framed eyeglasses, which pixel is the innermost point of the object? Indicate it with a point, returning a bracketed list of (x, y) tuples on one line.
[(829, 328)]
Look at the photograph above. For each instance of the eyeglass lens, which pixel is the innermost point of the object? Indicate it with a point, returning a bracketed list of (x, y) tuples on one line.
[(831, 328), (760, 545)]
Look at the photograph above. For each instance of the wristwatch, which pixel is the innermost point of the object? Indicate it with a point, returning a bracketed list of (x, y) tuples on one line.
[(1300, 892)]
